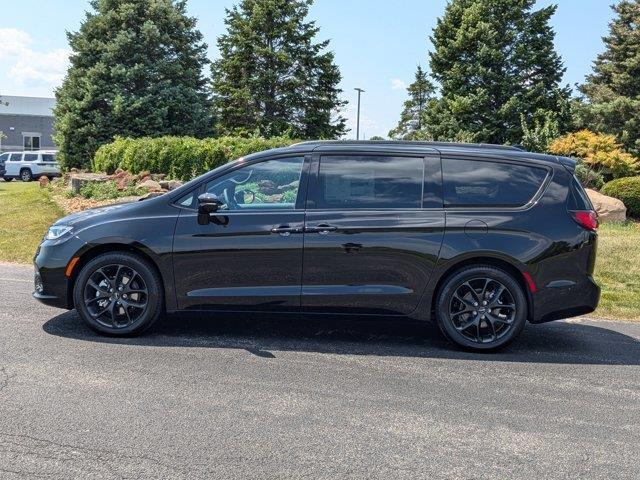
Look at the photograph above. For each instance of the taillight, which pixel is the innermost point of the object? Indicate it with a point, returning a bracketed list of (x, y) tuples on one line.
[(586, 218)]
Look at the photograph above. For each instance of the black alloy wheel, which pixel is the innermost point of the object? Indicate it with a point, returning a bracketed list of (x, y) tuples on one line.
[(118, 294), (481, 308)]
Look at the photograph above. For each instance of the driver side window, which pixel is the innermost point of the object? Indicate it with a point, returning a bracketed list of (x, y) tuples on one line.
[(273, 184)]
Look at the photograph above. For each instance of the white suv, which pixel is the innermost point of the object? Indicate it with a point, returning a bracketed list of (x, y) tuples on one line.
[(28, 166)]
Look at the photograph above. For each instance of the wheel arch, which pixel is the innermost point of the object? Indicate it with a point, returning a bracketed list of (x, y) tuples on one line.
[(93, 251), (508, 266)]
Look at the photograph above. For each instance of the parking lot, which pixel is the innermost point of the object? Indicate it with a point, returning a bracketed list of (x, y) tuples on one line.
[(223, 397)]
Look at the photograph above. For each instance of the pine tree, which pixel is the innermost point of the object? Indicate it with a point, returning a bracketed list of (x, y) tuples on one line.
[(272, 79), (136, 70), (495, 63), (613, 89), (421, 92)]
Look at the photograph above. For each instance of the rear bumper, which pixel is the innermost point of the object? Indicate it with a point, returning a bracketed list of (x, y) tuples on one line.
[(565, 299)]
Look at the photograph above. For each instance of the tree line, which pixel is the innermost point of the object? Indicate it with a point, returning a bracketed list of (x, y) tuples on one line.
[(139, 68), (499, 80)]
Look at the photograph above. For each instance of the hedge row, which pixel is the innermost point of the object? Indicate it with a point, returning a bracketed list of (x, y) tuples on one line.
[(182, 158), (625, 189)]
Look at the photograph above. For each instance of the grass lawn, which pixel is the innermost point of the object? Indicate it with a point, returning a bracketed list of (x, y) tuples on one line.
[(618, 271), (28, 210)]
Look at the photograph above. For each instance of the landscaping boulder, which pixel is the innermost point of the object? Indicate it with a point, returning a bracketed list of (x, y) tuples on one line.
[(609, 209), (170, 184), (76, 180), (43, 181), (151, 185)]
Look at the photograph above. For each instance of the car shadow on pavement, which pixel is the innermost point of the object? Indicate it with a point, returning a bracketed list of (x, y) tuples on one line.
[(559, 342)]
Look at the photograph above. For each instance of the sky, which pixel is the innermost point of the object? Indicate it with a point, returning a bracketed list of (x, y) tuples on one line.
[(377, 45)]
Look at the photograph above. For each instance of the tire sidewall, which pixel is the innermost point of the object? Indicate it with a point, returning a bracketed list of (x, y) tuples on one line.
[(458, 278), (150, 277), (23, 178)]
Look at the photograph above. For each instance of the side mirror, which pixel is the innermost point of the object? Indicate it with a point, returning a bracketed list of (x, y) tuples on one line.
[(208, 203)]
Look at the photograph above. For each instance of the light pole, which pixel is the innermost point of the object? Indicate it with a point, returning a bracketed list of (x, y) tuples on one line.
[(360, 92)]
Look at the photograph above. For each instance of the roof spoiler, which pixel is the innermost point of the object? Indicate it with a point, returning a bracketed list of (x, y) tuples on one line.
[(568, 163)]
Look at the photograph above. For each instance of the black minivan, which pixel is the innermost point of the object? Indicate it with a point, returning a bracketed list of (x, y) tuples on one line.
[(480, 238)]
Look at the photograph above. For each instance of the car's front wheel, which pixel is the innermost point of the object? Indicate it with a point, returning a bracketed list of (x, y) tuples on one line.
[(118, 294), (481, 308)]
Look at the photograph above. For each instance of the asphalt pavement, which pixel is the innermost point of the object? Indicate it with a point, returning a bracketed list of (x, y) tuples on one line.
[(254, 398)]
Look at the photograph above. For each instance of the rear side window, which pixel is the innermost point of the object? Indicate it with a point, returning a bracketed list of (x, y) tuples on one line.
[(578, 198), (474, 183), (30, 157), (370, 182), (47, 157)]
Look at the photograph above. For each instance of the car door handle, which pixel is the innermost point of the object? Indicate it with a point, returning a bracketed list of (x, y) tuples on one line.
[(285, 230), (321, 229)]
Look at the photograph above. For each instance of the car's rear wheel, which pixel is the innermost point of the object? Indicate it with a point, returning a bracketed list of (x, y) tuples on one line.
[(481, 308), (26, 175), (118, 294)]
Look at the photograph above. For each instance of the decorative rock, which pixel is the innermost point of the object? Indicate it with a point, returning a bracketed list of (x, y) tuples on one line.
[(151, 185), (43, 181), (78, 179), (173, 184), (609, 209)]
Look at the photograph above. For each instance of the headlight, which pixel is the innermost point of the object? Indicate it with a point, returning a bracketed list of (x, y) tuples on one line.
[(57, 231)]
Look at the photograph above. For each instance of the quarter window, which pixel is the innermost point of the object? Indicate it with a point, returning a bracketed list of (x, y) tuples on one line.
[(469, 183), (370, 182), (272, 184)]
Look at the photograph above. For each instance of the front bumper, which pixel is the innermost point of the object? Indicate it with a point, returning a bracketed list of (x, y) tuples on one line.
[(51, 285)]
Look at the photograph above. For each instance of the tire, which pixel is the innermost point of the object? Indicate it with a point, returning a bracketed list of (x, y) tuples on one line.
[(469, 323), (7, 179), (119, 294), (26, 175)]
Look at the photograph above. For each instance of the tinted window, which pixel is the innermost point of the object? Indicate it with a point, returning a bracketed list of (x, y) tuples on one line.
[(4, 158), (370, 182), (47, 157), (481, 183), (30, 157), (272, 184), (16, 157), (578, 198)]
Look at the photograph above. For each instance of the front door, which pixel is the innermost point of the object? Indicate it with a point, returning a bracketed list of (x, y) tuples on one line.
[(373, 233), (249, 258)]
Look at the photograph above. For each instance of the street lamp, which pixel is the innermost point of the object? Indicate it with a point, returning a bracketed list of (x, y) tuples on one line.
[(360, 92)]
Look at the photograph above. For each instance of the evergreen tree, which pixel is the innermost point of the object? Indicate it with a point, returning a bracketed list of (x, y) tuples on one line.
[(613, 89), (411, 124), (136, 70), (495, 62), (272, 78)]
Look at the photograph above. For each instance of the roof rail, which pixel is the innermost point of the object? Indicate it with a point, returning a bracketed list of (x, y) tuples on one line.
[(487, 146)]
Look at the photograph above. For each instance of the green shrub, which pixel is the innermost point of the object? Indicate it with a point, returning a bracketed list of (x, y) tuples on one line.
[(627, 190), (588, 177), (107, 191), (181, 158)]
